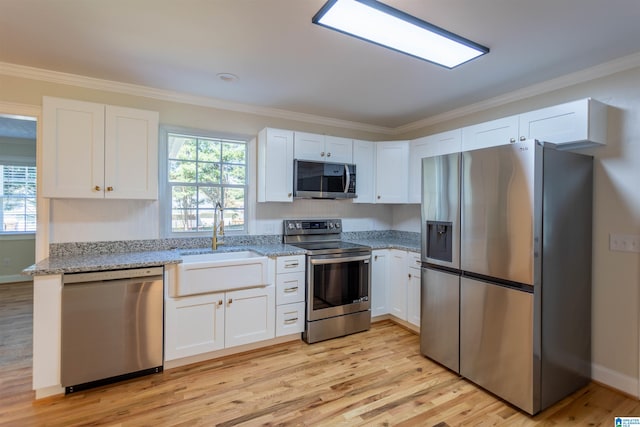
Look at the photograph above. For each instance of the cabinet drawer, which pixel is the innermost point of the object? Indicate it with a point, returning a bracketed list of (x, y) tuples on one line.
[(290, 264), (289, 319), (290, 288)]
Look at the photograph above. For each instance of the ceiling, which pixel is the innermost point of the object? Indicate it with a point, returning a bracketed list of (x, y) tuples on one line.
[(285, 62)]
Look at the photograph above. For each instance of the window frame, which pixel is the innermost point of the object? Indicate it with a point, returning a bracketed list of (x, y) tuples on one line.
[(165, 197)]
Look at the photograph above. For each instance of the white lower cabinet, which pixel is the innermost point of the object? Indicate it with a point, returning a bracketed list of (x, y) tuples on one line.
[(204, 323), (290, 294), (379, 279), (402, 286)]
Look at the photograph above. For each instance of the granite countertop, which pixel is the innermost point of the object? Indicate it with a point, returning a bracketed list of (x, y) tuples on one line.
[(77, 263), (100, 256)]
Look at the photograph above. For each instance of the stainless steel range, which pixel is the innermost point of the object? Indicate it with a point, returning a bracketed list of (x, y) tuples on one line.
[(338, 279)]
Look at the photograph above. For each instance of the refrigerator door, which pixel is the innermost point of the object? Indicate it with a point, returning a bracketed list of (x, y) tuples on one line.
[(440, 317), (496, 342), (441, 210), (498, 211)]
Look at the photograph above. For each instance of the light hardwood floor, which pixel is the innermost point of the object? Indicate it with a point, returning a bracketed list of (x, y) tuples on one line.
[(375, 378)]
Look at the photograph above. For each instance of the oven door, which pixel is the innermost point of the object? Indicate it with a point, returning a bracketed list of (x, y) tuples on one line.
[(337, 284)]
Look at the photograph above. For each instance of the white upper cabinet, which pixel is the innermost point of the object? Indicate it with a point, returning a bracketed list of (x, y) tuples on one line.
[(321, 148), (275, 165), (364, 157), (572, 125), (490, 134), (99, 151), (392, 177), (432, 145)]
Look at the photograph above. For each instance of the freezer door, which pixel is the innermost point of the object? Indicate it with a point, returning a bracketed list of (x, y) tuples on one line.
[(440, 317), (498, 211), (441, 210), (496, 341)]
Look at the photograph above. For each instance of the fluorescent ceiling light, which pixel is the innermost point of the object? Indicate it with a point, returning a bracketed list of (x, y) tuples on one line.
[(378, 23)]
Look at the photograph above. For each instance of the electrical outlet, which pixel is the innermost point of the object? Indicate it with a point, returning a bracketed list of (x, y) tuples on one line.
[(624, 242)]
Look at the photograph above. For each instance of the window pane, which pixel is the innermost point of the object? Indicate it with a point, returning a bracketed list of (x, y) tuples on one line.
[(209, 173), (209, 150), (233, 152), (183, 197), (181, 171), (183, 220), (233, 174), (208, 196), (181, 147), (234, 219), (233, 198), (205, 219)]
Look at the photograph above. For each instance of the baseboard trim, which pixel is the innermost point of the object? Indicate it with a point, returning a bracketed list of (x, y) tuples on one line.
[(615, 380)]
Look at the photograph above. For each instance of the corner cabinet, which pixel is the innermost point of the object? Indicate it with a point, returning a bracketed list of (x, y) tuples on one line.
[(275, 165), (99, 151), (364, 157), (392, 178)]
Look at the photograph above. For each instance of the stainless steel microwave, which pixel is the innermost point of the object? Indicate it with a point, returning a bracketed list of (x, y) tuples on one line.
[(321, 180)]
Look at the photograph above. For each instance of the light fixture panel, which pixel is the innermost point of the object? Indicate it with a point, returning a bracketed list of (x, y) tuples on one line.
[(383, 25)]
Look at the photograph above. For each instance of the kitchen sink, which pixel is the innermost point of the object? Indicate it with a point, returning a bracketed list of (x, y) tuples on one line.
[(219, 272)]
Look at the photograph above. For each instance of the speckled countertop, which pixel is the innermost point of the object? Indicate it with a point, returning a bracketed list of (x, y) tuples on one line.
[(100, 256)]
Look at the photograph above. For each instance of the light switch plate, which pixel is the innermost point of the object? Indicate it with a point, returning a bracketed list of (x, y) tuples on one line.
[(624, 242)]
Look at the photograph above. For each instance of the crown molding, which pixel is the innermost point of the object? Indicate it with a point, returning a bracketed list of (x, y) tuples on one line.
[(602, 70), (33, 73)]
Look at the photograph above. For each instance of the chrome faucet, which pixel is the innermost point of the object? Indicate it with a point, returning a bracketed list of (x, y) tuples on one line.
[(217, 227)]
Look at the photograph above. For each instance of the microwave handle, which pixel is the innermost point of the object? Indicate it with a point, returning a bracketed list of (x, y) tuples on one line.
[(348, 180)]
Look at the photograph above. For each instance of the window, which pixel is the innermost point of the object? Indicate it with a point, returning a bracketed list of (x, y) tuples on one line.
[(17, 198), (201, 172)]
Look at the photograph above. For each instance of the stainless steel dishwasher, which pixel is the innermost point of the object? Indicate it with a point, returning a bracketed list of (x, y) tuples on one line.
[(112, 326)]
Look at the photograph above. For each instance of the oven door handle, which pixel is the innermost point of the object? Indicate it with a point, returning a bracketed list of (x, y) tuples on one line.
[(316, 261)]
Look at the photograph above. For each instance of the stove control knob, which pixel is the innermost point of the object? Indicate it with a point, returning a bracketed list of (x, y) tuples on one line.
[(298, 225), (330, 225), (290, 226), (337, 225)]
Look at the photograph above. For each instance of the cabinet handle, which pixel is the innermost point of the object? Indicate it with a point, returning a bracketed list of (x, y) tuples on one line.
[(97, 188), (230, 301), (409, 275), (322, 154), (288, 194), (219, 302), (290, 321), (378, 197), (290, 264), (512, 140), (522, 138), (375, 258), (328, 154), (109, 188), (289, 290)]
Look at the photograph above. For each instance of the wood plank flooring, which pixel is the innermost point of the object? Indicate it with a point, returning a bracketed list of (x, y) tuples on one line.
[(375, 378)]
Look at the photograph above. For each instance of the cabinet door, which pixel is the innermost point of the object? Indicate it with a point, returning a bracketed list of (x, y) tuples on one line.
[(413, 297), (364, 157), (73, 148), (398, 283), (275, 165), (194, 325), (309, 146), (290, 319), (379, 279), (338, 149), (432, 145), (489, 134), (581, 121), (392, 176), (249, 315), (131, 153)]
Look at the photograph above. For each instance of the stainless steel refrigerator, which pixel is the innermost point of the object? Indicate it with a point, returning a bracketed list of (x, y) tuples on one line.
[(517, 254)]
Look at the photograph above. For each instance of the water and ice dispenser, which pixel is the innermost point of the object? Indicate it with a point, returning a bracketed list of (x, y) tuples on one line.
[(440, 240)]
